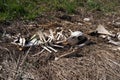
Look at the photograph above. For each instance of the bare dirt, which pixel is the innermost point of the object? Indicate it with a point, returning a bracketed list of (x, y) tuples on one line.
[(100, 61)]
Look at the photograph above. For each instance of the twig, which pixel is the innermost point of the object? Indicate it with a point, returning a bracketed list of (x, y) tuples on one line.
[(26, 28), (61, 56), (113, 62), (38, 52), (25, 56), (3, 48)]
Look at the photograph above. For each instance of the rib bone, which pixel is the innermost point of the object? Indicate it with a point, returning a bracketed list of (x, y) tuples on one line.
[(44, 47), (52, 48)]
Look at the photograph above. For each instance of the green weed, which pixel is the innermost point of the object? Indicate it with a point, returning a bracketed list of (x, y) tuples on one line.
[(29, 9)]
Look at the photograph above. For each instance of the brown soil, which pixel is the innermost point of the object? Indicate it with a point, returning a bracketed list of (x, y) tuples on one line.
[(100, 61)]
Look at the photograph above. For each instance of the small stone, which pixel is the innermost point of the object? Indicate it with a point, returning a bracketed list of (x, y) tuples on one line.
[(118, 48), (103, 36), (86, 19), (80, 24), (56, 58)]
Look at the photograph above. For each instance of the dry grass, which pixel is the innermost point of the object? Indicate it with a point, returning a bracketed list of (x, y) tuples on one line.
[(94, 62)]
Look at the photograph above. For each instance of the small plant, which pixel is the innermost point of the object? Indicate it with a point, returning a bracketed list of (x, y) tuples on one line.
[(93, 5)]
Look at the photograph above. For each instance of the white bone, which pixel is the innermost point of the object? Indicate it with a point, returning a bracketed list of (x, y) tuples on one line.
[(76, 33), (51, 33), (59, 42), (22, 41), (56, 58), (51, 36), (41, 36), (114, 42), (117, 43), (34, 42), (70, 31), (59, 36), (58, 46), (101, 30), (52, 48), (118, 36), (44, 47), (33, 36)]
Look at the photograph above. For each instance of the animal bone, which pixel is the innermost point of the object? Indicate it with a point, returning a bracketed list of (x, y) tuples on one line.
[(118, 36), (76, 33), (34, 42), (41, 36), (114, 42), (19, 40), (76, 38), (54, 45), (51, 36), (59, 34), (58, 46), (117, 43), (44, 47), (52, 48), (101, 30)]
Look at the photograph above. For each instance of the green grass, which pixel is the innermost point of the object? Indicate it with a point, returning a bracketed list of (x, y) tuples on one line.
[(29, 9), (11, 9), (102, 5)]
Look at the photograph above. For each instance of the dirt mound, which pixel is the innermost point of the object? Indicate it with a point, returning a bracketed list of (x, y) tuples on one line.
[(92, 62)]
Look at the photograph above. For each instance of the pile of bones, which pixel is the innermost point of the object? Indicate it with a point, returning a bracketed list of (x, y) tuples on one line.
[(51, 39)]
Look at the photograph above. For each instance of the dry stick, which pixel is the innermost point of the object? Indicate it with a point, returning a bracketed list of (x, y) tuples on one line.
[(107, 68), (17, 63), (38, 52), (61, 56), (25, 56), (3, 48), (27, 30), (31, 25), (17, 67)]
